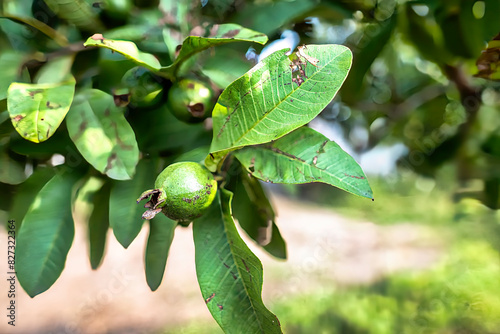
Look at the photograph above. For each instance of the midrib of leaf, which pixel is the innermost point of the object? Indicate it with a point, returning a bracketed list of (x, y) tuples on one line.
[(233, 256), (49, 253), (304, 164), (235, 145)]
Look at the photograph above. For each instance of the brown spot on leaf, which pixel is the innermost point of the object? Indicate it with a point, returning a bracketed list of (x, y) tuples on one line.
[(207, 300), (355, 176), (109, 165), (190, 85), (231, 33), (17, 118), (220, 306), (33, 92)]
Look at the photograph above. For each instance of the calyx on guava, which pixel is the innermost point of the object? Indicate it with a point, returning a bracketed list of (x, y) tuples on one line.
[(183, 191)]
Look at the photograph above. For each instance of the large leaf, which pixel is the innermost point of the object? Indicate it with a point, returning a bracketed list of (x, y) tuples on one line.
[(305, 156), (255, 214), (219, 34), (125, 216), (37, 110), (127, 49), (161, 234), (102, 134), (229, 274), (265, 104), (46, 235)]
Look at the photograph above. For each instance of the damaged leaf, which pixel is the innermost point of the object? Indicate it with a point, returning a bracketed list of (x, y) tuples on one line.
[(277, 96), (305, 156), (102, 134), (37, 110), (229, 274), (488, 63)]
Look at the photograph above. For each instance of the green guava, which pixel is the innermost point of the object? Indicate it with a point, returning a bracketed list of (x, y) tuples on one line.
[(144, 88), (190, 100), (183, 191)]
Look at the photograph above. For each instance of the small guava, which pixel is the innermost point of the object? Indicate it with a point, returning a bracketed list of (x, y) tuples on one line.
[(183, 191), (190, 100), (144, 88)]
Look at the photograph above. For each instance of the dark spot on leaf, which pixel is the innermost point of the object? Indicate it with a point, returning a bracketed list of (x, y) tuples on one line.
[(231, 33), (207, 300), (212, 156), (109, 165), (197, 109), (220, 306), (234, 275), (355, 176), (291, 100), (190, 85), (225, 265), (208, 192), (33, 92), (107, 112)]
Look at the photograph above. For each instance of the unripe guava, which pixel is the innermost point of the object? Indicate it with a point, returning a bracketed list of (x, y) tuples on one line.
[(183, 191), (144, 88), (190, 100)]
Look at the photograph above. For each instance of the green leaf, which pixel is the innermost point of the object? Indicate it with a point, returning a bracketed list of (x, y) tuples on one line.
[(41, 26), (46, 235), (55, 70), (125, 215), (27, 192), (77, 12), (305, 156), (12, 171), (37, 110), (127, 49), (102, 134), (255, 214), (99, 224), (229, 274), (11, 63), (265, 104), (161, 234), (219, 34)]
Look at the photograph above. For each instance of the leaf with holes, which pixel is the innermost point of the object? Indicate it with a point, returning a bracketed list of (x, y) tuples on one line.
[(102, 134), (229, 274), (305, 156), (37, 110), (277, 96), (127, 49), (219, 34)]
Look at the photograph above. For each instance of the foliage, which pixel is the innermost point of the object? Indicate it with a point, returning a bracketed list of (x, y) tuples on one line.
[(80, 106), (72, 123)]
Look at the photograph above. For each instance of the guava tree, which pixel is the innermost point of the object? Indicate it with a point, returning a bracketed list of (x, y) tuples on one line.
[(98, 100)]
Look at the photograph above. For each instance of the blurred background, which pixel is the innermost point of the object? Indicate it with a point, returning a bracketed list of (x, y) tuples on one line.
[(419, 111)]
